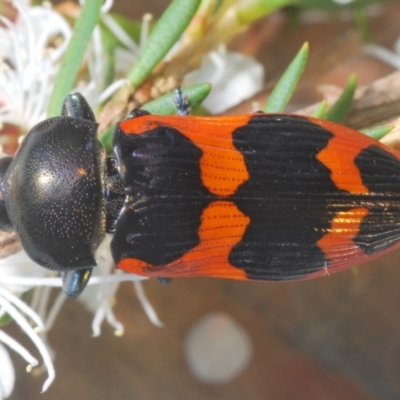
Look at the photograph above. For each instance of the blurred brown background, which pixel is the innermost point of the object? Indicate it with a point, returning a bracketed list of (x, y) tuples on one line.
[(332, 338)]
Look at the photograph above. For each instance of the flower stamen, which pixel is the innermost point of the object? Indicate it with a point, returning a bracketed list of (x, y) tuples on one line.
[(145, 303), (18, 348), (16, 315)]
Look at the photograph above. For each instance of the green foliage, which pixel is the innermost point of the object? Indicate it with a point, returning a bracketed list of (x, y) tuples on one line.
[(131, 28), (283, 90), (109, 45), (321, 109), (378, 132), (164, 35), (251, 11), (71, 62), (165, 105), (338, 112)]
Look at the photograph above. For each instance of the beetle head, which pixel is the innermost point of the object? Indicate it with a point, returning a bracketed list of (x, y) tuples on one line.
[(52, 190)]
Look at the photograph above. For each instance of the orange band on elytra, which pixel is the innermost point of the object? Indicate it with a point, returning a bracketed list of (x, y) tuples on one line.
[(338, 244), (222, 227), (222, 166), (339, 157)]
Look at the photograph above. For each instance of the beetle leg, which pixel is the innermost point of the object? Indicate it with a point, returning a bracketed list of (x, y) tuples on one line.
[(181, 103), (164, 281), (137, 112), (75, 281)]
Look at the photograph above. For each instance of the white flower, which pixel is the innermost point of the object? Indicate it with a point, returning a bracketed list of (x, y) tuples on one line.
[(30, 52), (19, 264), (28, 65), (30, 61), (100, 298), (21, 313), (389, 57), (234, 77), (7, 375), (19, 273)]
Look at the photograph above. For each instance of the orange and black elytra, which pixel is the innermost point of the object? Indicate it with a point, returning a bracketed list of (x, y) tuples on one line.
[(261, 196), (271, 197)]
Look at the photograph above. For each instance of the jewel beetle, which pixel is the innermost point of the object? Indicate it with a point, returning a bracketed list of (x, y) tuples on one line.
[(272, 197)]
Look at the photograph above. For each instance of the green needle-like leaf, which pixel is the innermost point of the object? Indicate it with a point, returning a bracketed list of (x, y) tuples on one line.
[(72, 59), (248, 12), (109, 45), (131, 27), (378, 132), (340, 109), (165, 105), (106, 138), (164, 35), (321, 109), (361, 19), (283, 90)]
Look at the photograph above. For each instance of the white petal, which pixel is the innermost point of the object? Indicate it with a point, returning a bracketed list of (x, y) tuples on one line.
[(119, 33), (19, 265), (36, 339), (234, 78), (383, 54), (22, 307), (97, 321), (148, 308), (101, 298), (54, 310), (18, 348), (93, 296), (7, 374)]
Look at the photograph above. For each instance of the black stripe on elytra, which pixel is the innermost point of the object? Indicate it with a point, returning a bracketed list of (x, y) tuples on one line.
[(380, 173), (290, 197), (165, 196)]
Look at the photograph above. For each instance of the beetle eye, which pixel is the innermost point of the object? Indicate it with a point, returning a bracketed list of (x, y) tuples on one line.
[(5, 222)]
